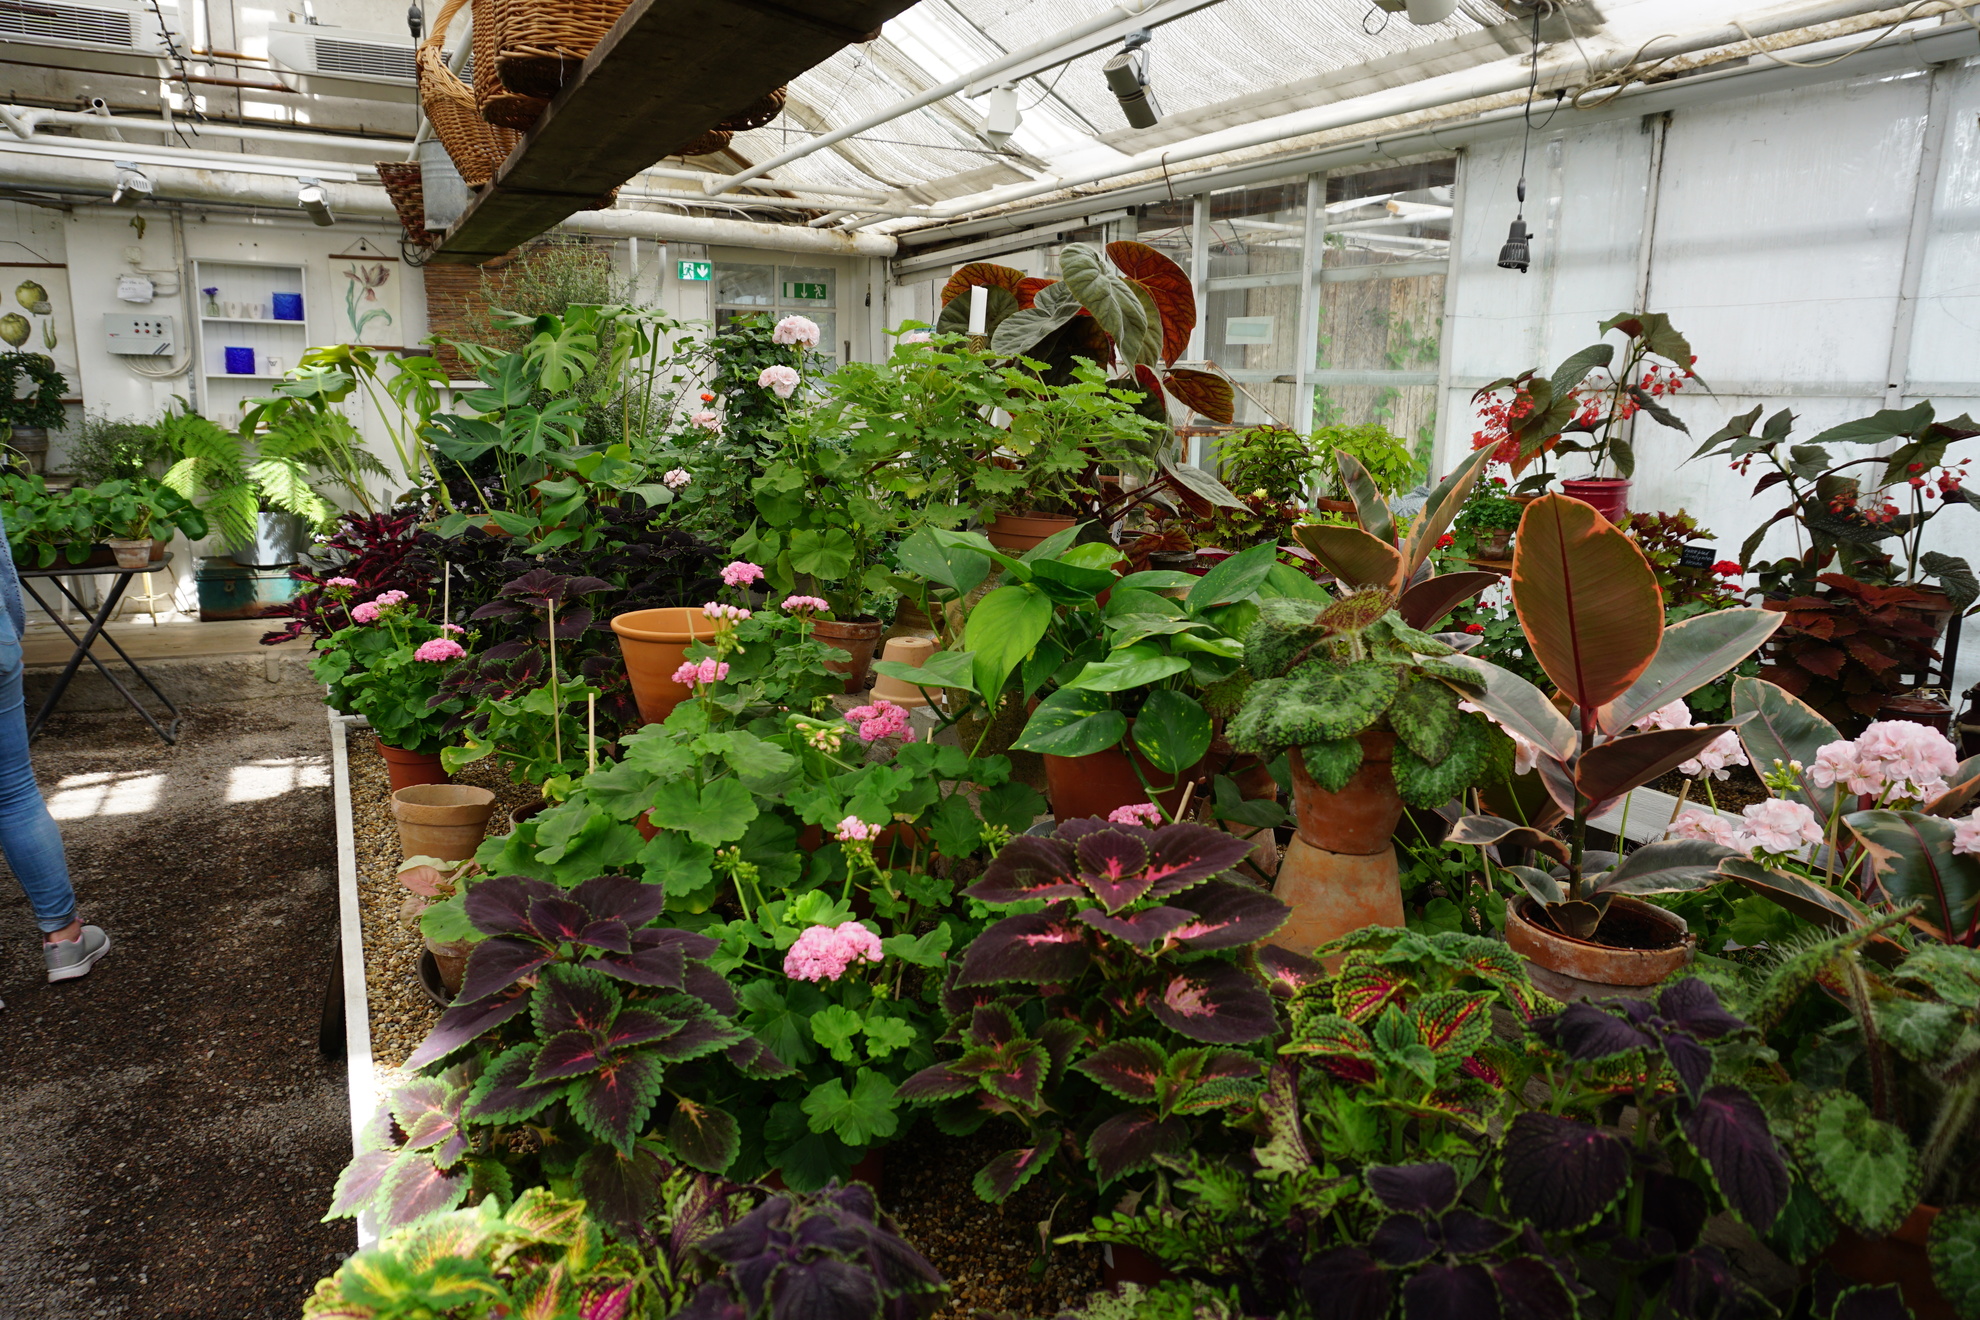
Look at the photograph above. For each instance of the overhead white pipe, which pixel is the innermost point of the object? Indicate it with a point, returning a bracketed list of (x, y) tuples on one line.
[(24, 120), (671, 228), (1104, 20), (147, 157), (1508, 75), (739, 200), (787, 185)]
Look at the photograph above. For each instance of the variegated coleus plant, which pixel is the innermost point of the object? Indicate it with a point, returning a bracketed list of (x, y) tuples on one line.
[(1111, 1021), (579, 1026)]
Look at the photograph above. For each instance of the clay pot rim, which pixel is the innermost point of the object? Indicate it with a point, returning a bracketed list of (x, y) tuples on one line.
[(1596, 481), (864, 626), (1623, 967), (391, 753), (1664, 915), (476, 809), (688, 631)]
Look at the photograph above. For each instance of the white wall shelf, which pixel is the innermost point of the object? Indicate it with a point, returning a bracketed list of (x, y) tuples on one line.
[(277, 345)]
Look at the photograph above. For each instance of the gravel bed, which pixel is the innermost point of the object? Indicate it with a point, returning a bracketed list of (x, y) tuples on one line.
[(401, 1014)]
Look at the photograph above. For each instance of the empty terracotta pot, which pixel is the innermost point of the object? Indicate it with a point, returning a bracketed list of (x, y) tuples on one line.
[(857, 639), (1649, 943), (1023, 531), (1361, 818), (654, 644), (409, 768), (442, 820), (1332, 893), (450, 960), (904, 651)]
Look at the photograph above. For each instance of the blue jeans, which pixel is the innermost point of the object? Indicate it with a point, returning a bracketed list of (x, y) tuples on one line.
[(27, 832)]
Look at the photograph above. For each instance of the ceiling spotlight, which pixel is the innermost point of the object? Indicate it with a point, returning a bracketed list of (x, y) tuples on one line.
[(1127, 76), (1002, 119), (132, 185), (1516, 254), (312, 197)]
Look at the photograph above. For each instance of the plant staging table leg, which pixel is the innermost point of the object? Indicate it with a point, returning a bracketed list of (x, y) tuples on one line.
[(88, 639)]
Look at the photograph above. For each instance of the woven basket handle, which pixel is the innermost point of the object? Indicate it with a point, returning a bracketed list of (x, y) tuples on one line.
[(443, 22)]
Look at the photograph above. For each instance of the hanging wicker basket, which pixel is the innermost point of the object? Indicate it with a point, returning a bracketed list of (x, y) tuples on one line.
[(758, 113), (706, 145), (477, 147), (543, 43), (499, 104), (402, 185)]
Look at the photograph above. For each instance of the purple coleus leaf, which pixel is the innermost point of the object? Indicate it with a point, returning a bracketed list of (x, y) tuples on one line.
[(568, 1054), (1704, 1283), (633, 1027), (937, 1082), (499, 905), (1038, 948), (1111, 863), (1468, 1234), (1345, 1284), (1450, 1292), (1131, 1141), (1587, 1033), (1002, 1176), (1131, 1069), (1183, 854), (709, 986), (416, 1187), (620, 898), (1417, 1189), (1027, 867), (360, 1181), (702, 1035), (1228, 916), (461, 1024), (1018, 1075), (1691, 1061), (1529, 1289), (496, 964), (651, 962), (608, 1303), (613, 1102), (610, 935), (1144, 929), (574, 999), (752, 1058), (1559, 1174), (1728, 1130), (621, 1188), (1694, 1006), (1403, 1240), (992, 1024), (557, 919), (703, 1136), (1286, 972), (1215, 1003), (504, 1092), (959, 1000)]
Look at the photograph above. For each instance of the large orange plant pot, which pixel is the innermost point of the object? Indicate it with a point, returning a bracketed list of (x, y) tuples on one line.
[(1021, 532), (1568, 968), (857, 639), (1098, 784), (1332, 894), (654, 644), (1361, 818), (408, 769)]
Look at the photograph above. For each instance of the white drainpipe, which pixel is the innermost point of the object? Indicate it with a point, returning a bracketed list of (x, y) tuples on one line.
[(24, 120)]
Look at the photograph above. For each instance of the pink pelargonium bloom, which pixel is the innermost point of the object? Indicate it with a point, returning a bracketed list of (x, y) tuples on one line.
[(793, 604), (914, 337), (440, 648), (740, 573), (1709, 826), (390, 598), (706, 671), (780, 380), (365, 613), (853, 829), (882, 719), (454, 628), (800, 330), (341, 582), (1139, 813), (1779, 825), (1966, 835), (715, 609), (707, 420), (1724, 750), (676, 478), (1677, 715), (823, 953)]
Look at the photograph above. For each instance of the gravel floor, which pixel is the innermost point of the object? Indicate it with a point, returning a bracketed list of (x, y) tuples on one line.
[(169, 1134)]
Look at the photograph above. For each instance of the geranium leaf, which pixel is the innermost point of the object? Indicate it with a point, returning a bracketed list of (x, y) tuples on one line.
[(1728, 1130), (857, 1116), (715, 814), (1560, 1174)]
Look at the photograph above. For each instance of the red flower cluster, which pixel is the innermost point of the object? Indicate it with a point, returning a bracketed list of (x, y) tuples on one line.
[(1474, 627), (1495, 430), (1727, 568), (1446, 541)]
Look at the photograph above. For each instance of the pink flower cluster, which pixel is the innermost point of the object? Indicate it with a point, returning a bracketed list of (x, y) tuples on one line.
[(440, 648), (779, 380), (1723, 751), (1892, 759), (707, 421), (390, 598), (796, 330), (883, 719), (344, 582), (796, 603), (1778, 825), (854, 830), (710, 670), (822, 953), (740, 573), (1141, 813), (714, 609), (454, 628), (675, 478), (1966, 835), (365, 613)]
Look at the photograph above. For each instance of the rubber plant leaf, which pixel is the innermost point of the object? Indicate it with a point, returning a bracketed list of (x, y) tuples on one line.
[(1439, 511), (1612, 768), (1369, 507), (1965, 787), (1203, 392), (1482, 831), (1587, 600), (1168, 285), (1912, 856), (1355, 557), (1804, 898), (1784, 728), (1429, 601), (1518, 707), (1693, 652), (1670, 867)]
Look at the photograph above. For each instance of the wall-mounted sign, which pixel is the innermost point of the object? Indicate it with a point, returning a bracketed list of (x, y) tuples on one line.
[(694, 270), (1248, 329), (806, 292)]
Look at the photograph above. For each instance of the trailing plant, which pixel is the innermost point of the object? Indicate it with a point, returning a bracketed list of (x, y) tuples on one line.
[(389, 664), (1488, 508), (577, 1020), (1096, 1022)]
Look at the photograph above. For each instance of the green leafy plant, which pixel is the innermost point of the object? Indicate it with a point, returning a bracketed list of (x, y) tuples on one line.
[(388, 664), (1384, 460), (1489, 508), (1275, 459), (102, 449), (31, 391)]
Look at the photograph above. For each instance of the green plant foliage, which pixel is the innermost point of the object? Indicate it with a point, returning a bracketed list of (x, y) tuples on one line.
[(1320, 701), (1864, 1170), (1954, 1247), (1332, 763), (1285, 631), (1429, 782)]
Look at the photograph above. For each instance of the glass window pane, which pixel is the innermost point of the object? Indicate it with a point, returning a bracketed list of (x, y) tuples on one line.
[(1408, 411), (1399, 213), (1250, 306), (745, 285), (1381, 324)]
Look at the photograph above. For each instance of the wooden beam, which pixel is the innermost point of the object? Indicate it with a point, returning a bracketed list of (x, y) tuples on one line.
[(667, 72)]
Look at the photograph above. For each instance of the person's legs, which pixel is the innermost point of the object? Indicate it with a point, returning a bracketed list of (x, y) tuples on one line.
[(28, 835)]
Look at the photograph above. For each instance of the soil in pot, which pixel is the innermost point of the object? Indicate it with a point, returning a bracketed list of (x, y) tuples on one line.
[(409, 769), (857, 639), (1640, 944)]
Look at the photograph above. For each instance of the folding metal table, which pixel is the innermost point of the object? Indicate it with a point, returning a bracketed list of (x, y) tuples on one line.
[(88, 639)]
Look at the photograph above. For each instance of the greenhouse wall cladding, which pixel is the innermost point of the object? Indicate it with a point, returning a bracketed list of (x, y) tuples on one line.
[(1818, 244)]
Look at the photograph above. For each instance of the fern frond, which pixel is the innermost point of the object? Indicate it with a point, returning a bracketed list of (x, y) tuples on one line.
[(285, 483), (215, 449), (232, 511)]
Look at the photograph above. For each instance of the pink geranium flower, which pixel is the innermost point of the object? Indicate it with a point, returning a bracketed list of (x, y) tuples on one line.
[(440, 648), (740, 573), (341, 582), (795, 603), (365, 613), (1140, 813), (703, 672), (780, 380), (882, 719), (823, 953), (796, 330), (676, 478), (390, 598), (1966, 835), (706, 420)]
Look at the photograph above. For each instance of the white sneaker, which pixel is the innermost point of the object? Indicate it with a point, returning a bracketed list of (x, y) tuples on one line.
[(73, 958)]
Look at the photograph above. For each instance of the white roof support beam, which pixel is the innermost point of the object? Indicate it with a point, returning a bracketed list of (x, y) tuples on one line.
[(1168, 11)]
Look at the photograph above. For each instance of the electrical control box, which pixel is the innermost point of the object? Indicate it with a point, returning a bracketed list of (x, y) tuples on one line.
[(138, 336)]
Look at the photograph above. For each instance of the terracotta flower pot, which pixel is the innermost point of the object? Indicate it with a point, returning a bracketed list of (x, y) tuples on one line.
[(1022, 531), (1608, 495), (857, 639), (408, 769), (1495, 543), (1360, 819), (1648, 944), (904, 651), (442, 820), (450, 960), (1095, 785), (1899, 1258), (654, 644), (129, 554), (1332, 893)]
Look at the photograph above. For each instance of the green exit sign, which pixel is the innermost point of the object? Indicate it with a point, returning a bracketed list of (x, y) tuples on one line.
[(806, 292), (694, 270)]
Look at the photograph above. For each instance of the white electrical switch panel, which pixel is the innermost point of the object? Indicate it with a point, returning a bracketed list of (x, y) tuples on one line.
[(138, 336)]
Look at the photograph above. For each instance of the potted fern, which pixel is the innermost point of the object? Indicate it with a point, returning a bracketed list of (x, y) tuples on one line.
[(261, 501)]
